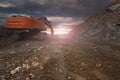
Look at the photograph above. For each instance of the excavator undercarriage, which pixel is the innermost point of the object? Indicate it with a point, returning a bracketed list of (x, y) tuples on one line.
[(34, 34)]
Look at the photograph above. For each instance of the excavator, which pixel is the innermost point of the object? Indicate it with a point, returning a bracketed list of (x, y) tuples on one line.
[(27, 27)]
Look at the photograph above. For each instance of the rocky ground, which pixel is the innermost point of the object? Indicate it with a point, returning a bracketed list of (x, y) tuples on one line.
[(59, 58)]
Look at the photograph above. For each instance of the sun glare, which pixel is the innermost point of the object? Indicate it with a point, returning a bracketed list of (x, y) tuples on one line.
[(59, 31)]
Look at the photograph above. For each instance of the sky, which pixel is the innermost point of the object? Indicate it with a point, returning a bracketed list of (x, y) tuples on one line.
[(58, 11)]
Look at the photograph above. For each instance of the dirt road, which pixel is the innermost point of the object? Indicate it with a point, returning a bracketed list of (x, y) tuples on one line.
[(59, 58)]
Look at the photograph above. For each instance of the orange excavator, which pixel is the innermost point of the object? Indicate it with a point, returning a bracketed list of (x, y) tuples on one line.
[(27, 27)]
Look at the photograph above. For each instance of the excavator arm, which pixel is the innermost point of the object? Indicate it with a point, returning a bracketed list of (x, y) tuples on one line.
[(50, 26), (43, 20)]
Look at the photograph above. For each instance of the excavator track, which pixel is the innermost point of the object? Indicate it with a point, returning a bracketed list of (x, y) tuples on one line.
[(34, 34)]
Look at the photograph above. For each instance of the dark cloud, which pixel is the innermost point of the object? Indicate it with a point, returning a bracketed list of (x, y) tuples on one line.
[(74, 8)]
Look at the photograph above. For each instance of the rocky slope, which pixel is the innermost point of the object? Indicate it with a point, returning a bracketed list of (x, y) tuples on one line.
[(104, 25)]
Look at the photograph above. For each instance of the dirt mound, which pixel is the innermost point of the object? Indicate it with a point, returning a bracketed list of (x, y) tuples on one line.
[(104, 25)]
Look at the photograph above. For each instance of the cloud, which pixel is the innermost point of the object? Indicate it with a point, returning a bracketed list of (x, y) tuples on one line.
[(74, 8), (67, 22), (5, 4)]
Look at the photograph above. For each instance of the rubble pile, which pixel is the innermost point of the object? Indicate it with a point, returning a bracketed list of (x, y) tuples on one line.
[(105, 25)]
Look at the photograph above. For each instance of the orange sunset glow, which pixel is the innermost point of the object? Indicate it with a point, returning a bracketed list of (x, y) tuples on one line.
[(59, 31)]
